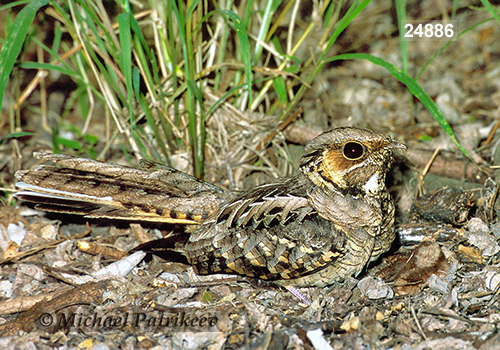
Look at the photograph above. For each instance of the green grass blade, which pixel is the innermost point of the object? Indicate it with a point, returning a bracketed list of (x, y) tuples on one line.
[(194, 91), (54, 54), (401, 14), (455, 8), (126, 56), (490, 8), (245, 49), (229, 93), (414, 88), (151, 121), (191, 8), (14, 42), (14, 4), (16, 135), (142, 50), (47, 66), (271, 7), (280, 88), (353, 11)]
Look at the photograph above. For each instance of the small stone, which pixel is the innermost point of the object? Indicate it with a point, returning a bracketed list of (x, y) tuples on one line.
[(477, 225), (437, 284), (375, 288)]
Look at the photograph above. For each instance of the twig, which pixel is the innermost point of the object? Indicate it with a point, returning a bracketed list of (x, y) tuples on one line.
[(417, 322), (24, 303), (46, 246), (425, 171), (141, 234), (448, 313), (493, 200), (493, 131), (281, 127)]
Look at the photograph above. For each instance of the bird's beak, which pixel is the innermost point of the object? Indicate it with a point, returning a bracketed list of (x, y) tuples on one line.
[(396, 144)]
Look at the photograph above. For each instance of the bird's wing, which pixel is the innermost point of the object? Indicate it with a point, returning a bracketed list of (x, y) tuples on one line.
[(271, 235)]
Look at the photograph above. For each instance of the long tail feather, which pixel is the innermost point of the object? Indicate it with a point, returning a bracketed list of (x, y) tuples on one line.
[(150, 193)]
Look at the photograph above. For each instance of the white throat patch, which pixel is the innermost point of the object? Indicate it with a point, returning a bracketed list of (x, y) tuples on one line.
[(372, 185)]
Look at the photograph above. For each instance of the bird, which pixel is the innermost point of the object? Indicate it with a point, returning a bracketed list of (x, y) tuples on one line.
[(319, 226)]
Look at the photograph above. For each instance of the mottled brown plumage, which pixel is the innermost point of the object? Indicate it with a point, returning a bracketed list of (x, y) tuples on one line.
[(319, 226)]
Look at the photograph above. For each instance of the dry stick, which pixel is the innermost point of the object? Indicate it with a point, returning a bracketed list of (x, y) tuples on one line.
[(43, 91), (450, 314), (33, 84), (46, 246), (492, 132), (89, 293), (24, 303), (425, 171), (427, 167), (493, 200), (107, 252), (448, 167), (417, 322), (52, 272), (140, 233), (281, 127), (263, 70), (301, 135)]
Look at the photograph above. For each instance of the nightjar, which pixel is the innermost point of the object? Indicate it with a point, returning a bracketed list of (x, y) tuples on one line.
[(319, 226)]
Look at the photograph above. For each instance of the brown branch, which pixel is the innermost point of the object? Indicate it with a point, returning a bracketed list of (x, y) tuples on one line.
[(452, 168), (89, 293)]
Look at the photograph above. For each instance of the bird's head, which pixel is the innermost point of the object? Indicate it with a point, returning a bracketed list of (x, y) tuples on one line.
[(349, 160)]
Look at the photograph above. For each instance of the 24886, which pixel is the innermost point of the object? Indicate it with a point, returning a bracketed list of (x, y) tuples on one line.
[(430, 31)]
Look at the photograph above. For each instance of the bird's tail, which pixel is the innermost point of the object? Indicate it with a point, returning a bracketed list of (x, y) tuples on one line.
[(149, 193)]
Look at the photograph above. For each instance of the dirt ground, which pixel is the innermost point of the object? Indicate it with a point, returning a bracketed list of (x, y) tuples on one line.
[(438, 288)]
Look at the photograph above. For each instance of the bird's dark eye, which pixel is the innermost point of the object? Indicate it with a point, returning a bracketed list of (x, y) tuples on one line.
[(353, 150)]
